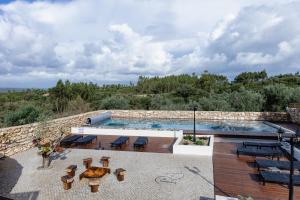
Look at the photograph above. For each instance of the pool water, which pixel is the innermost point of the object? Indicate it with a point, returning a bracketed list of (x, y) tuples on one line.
[(173, 124)]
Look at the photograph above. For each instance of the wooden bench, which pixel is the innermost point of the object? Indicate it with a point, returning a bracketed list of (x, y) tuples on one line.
[(105, 161), (87, 162), (120, 172), (71, 170), (67, 181), (94, 184)]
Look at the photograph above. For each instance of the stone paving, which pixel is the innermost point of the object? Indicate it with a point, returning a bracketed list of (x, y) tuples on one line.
[(148, 176)]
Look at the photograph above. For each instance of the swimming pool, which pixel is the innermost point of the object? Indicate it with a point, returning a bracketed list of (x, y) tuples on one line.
[(178, 124)]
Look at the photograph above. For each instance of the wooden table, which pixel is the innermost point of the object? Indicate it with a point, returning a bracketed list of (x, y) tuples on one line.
[(120, 172), (94, 172), (105, 161), (87, 162)]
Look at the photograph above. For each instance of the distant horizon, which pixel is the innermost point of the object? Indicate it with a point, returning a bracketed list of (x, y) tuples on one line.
[(128, 82), (109, 42)]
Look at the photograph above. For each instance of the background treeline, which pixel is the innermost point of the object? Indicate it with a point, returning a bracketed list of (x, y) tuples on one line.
[(249, 91)]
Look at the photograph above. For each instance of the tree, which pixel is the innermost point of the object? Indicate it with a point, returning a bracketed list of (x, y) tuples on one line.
[(212, 83), (216, 102), (60, 96), (277, 97), (185, 91), (246, 100), (250, 77)]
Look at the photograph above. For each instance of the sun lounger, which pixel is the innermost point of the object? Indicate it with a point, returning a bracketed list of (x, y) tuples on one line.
[(262, 144), (259, 152), (275, 177), (70, 140), (85, 140), (140, 142), (284, 165), (119, 142)]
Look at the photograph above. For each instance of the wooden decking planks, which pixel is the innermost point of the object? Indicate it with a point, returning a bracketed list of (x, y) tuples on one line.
[(237, 176), (155, 144)]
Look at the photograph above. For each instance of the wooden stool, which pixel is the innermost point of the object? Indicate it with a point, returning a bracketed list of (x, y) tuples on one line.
[(105, 161), (120, 172), (67, 180), (94, 184), (87, 162), (71, 170)]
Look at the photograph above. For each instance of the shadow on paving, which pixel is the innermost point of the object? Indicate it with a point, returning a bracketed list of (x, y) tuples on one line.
[(25, 195), (10, 172), (205, 198), (196, 171)]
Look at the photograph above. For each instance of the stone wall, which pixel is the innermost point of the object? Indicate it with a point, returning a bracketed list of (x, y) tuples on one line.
[(294, 114), (203, 115), (19, 138)]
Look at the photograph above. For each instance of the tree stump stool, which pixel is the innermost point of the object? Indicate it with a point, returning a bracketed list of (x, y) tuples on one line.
[(94, 184), (120, 172), (67, 181), (71, 170), (87, 162), (105, 161)]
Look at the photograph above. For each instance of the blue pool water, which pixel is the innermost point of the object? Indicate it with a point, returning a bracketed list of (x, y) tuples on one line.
[(232, 126)]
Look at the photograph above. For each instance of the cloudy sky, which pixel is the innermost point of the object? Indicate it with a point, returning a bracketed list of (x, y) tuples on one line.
[(112, 41)]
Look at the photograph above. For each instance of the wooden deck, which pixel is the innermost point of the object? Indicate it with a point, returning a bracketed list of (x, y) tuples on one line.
[(155, 144), (236, 176)]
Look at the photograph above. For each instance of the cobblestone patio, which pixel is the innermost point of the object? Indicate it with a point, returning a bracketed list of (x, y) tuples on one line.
[(148, 176)]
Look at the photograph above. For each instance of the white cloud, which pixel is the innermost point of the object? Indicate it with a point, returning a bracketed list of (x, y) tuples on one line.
[(113, 41)]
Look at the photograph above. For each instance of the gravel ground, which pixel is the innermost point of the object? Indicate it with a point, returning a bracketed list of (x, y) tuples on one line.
[(148, 176)]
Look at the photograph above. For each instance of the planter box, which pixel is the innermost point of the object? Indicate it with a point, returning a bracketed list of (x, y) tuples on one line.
[(194, 149)]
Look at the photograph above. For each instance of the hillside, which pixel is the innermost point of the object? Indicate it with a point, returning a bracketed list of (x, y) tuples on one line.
[(249, 91)]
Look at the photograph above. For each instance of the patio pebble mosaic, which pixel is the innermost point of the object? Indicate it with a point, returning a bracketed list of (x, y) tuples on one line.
[(148, 176)]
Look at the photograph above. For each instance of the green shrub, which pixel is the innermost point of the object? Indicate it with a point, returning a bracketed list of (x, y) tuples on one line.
[(217, 102), (115, 102), (246, 100), (200, 142), (277, 97), (188, 137), (24, 115)]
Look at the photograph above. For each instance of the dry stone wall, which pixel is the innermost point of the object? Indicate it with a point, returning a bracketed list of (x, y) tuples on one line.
[(203, 115), (295, 114), (19, 138)]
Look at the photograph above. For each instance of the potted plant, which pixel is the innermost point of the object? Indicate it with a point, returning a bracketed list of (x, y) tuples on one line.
[(46, 146), (45, 152)]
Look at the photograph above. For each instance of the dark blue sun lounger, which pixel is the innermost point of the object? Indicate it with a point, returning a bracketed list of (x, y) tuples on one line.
[(275, 177), (262, 144), (284, 165), (119, 142), (140, 142), (259, 152), (70, 140), (85, 140)]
